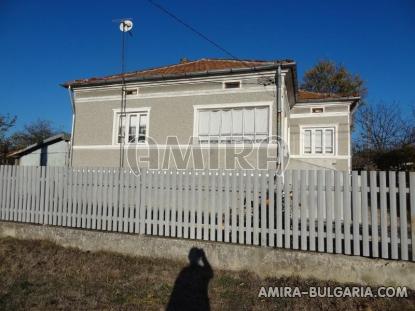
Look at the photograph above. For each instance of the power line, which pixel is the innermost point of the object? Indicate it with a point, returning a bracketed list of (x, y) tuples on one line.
[(191, 28)]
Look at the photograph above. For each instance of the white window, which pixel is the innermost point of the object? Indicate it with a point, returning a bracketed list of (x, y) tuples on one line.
[(233, 125), (131, 127), (318, 140)]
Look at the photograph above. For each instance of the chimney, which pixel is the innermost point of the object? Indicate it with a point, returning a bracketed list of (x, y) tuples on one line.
[(184, 60)]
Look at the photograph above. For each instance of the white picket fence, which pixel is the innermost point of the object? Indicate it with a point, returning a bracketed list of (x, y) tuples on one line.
[(369, 214)]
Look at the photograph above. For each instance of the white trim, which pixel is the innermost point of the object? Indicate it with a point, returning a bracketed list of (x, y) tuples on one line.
[(178, 94), (321, 156), (147, 146), (324, 126), (196, 108), (323, 104), (115, 120), (318, 115)]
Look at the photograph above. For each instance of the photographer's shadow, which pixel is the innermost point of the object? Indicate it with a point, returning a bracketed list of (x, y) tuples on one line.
[(190, 290)]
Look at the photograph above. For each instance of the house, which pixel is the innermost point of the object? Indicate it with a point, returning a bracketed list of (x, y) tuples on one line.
[(216, 106), (53, 151)]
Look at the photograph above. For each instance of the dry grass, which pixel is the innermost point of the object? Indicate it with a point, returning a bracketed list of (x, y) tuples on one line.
[(43, 276)]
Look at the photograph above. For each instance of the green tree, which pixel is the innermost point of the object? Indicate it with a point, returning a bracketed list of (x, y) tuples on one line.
[(328, 77)]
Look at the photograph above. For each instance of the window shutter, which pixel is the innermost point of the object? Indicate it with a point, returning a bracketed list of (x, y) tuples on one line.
[(329, 141), (318, 141), (307, 141), (204, 123)]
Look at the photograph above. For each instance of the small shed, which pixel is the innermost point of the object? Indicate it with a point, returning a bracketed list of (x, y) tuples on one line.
[(53, 151)]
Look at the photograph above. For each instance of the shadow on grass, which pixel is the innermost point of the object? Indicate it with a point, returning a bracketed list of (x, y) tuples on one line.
[(190, 291)]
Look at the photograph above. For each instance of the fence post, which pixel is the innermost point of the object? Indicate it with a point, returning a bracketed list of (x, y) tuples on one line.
[(412, 194)]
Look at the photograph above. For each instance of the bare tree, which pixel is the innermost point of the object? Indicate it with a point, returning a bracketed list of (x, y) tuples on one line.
[(6, 123), (381, 127), (33, 133)]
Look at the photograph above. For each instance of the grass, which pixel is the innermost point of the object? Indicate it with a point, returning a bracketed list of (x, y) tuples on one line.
[(40, 275)]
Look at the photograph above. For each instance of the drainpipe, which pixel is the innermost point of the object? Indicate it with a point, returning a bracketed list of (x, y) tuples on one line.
[(279, 104), (73, 125)]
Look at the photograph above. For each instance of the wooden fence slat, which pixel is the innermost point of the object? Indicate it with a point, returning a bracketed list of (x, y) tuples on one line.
[(126, 206), (403, 216), (312, 210), (150, 209), (193, 203), (173, 230), (3, 191), (356, 196), (126, 198), (55, 194), (60, 196), (296, 208), (35, 178), (227, 207), (346, 213), (248, 207), (277, 187), (256, 209), (219, 204), (111, 200), (241, 218), (320, 211), (69, 196), (142, 198), (329, 210), (180, 207), (393, 216), (168, 203), (99, 201), (199, 222), (9, 170), (24, 194), (365, 214), (274, 208), (383, 215), (374, 213), (233, 210), (186, 204), (263, 220), (412, 199), (303, 210), (338, 211), (212, 214), (288, 211), (84, 187), (105, 194), (8, 193)]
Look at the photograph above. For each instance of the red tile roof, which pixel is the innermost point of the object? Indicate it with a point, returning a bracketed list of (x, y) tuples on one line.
[(308, 95), (183, 68)]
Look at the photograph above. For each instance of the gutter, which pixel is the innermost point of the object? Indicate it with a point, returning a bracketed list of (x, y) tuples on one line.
[(73, 124)]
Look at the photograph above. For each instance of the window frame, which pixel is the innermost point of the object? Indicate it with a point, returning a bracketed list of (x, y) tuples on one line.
[(213, 107), (313, 129), (128, 112)]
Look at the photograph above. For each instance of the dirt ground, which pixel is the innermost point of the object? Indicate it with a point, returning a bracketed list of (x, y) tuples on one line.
[(39, 275)]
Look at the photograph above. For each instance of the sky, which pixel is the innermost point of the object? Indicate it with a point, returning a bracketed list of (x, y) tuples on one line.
[(45, 43)]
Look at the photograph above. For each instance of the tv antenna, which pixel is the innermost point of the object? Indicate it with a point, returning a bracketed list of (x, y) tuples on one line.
[(125, 25)]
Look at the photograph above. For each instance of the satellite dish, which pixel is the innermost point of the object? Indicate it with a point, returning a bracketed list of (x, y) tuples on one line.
[(126, 25)]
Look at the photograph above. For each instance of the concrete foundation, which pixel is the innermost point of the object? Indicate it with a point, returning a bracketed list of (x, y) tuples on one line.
[(263, 261)]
